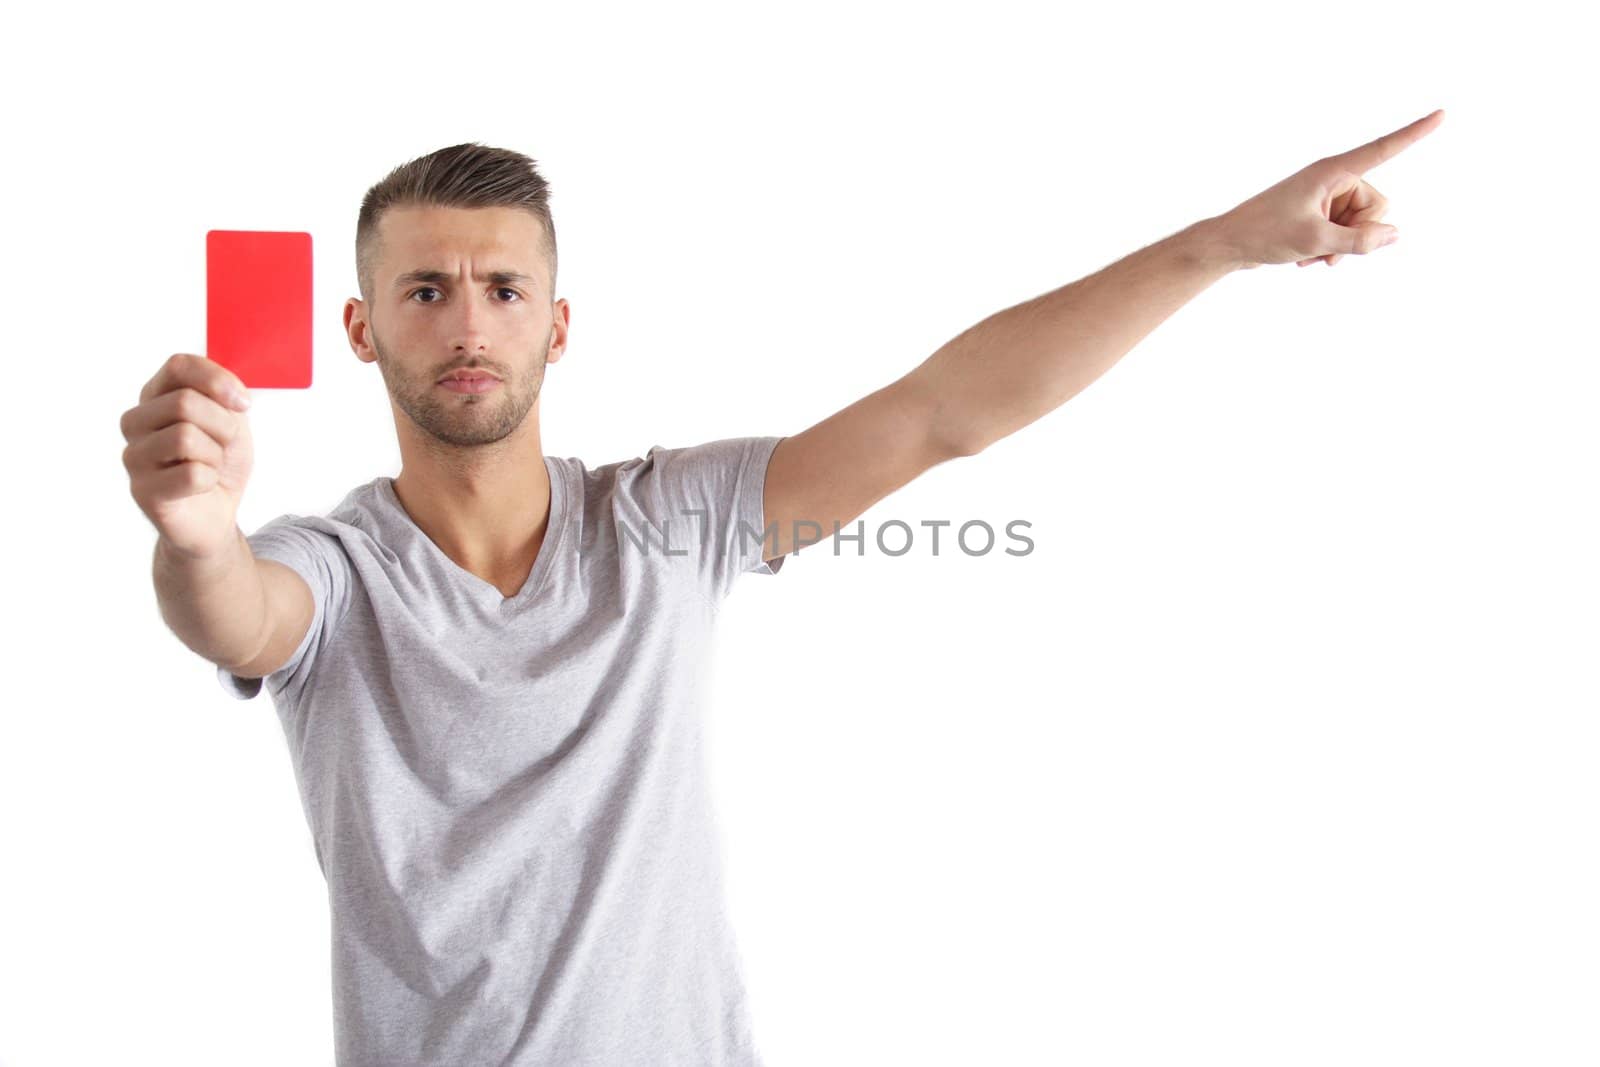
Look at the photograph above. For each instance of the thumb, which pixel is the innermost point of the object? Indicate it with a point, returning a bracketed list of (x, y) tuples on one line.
[(1359, 240)]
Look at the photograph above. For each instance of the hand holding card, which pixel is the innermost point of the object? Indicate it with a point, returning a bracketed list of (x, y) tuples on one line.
[(258, 306)]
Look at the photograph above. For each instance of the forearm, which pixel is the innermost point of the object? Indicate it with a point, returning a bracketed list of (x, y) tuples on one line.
[(217, 606), (1025, 361)]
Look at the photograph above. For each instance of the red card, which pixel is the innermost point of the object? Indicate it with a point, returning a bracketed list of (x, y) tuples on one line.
[(258, 306)]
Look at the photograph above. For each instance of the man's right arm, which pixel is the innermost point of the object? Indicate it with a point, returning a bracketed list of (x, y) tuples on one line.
[(244, 614)]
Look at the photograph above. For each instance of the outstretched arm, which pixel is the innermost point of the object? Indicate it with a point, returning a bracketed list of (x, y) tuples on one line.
[(1021, 363)]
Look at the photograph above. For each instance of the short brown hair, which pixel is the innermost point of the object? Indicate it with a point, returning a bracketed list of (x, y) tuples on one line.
[(463, 175)]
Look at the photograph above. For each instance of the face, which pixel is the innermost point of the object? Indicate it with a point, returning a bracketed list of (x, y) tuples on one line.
[(460, 288)]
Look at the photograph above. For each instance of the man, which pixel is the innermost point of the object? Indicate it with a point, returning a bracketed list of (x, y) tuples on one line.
[(489, 667)]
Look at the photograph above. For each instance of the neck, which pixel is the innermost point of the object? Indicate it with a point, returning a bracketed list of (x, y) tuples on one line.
[(487, 508)]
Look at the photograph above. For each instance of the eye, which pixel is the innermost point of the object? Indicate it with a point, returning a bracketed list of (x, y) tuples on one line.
[(431, 289)]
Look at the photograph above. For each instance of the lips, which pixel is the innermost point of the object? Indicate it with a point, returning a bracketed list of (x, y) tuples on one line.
[(468, 376)]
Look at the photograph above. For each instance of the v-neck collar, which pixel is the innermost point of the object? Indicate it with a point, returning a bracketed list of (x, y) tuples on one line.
[(555, 527)]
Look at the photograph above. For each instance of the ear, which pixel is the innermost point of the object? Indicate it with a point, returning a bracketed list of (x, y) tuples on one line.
[(355, 328), (558, 331)]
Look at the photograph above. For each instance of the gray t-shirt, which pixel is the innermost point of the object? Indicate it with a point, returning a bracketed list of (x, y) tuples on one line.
[(507, 796)]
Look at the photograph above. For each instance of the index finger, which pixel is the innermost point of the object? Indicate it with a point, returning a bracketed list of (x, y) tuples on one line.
[(196, 372), (1389, 145)]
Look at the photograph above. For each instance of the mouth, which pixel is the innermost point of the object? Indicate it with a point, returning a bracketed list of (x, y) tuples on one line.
[(474, 381)]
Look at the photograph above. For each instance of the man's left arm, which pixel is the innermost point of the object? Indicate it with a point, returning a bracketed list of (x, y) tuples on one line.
[(1019, 364)]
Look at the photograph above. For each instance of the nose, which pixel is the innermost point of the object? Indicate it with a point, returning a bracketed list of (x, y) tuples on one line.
[(470, 327)]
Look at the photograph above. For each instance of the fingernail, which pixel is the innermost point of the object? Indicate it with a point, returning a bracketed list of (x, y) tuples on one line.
[(241, 400), (1394, 235)]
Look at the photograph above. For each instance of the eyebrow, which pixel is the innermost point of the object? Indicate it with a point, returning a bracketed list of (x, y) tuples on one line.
[(499, 277)]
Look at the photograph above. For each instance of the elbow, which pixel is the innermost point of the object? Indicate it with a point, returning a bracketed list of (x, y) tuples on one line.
[(946, 425), (951, 431), (955, 445)]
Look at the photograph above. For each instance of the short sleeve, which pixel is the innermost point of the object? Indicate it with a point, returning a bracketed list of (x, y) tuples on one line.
[(714, 493), (309, 546)]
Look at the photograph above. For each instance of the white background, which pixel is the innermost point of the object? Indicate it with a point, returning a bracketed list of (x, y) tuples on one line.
[(1280, 747)]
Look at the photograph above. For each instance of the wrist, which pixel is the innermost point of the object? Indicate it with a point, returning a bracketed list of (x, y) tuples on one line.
[(1209, 243)]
